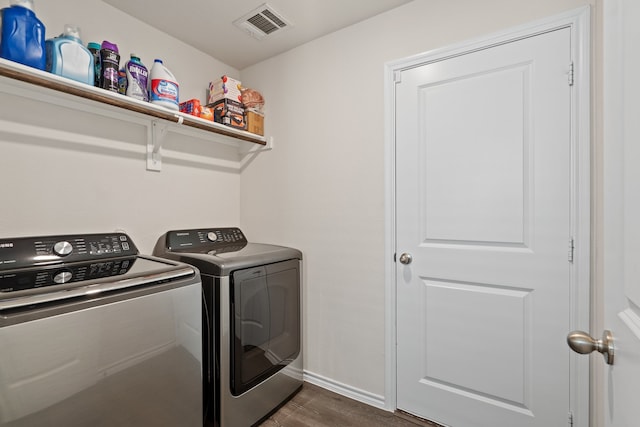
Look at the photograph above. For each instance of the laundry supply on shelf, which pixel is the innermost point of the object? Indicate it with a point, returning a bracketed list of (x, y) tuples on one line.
[(229, 112), (110, 60), (122, 81), (224, 88), (195, 108), (253, 102), (94, 48), (137, 79), (251, 98), (206, 113), (255, 121), (67, 56), (191, 106), (22, 35), (163, 86)]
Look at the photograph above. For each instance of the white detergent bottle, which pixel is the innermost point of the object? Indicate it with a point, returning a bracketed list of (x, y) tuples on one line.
[(163, 86)]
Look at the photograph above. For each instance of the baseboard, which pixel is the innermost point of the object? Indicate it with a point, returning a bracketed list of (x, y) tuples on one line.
[(346, 390)]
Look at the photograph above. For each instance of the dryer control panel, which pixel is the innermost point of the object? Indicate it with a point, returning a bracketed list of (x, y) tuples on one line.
[(205, 238)]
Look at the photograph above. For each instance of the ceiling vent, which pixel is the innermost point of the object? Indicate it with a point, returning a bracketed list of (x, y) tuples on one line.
[(263, 21)]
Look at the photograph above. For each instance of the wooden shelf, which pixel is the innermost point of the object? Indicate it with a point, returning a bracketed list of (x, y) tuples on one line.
[(44, 79)]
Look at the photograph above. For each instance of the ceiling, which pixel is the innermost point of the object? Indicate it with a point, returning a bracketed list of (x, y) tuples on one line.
[(208, 25)]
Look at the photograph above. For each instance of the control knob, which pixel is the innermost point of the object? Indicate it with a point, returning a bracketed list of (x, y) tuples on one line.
[(62, 248), (62, 277), (212, 236)]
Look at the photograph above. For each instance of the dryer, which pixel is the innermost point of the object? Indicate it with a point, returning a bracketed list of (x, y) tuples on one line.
[(252, 341)]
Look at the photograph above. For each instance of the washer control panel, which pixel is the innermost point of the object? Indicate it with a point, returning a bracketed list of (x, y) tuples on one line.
[(33, 251), (33, 278), (205, 238)]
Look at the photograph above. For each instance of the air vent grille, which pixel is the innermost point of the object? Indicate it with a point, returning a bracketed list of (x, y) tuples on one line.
[(263, 24), (262, 21), (274, 18)]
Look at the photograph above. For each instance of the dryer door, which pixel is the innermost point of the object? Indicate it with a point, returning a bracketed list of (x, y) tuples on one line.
[(265, 322)]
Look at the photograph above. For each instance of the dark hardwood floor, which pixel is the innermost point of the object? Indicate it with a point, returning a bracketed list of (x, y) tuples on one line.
[(314, 406)]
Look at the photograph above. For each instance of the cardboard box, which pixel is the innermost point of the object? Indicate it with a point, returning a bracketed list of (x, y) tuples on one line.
[(191, 106), (206, 113), (255, 121), (194, 108), (229, 112), (224, 88)]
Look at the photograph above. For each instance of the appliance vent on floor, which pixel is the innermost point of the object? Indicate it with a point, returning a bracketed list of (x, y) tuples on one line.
[(263, 21)]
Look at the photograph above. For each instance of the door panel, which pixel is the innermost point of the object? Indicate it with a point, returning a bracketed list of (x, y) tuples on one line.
[(471, 326), (477, 180), (483, 152)]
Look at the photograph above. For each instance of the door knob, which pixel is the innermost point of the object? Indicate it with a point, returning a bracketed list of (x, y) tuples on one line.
[(583, 343), (406, 258)]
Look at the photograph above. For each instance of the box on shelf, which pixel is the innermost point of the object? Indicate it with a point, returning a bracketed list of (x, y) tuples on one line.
[(195, 108), (206, 113), (229, 112), (255, 121), (224, 88), (191, 106)]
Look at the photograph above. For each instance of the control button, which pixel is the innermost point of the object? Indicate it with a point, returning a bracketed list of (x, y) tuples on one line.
[(62, 248), (62, 277), (212, 236), (125, 246), (123, 238)]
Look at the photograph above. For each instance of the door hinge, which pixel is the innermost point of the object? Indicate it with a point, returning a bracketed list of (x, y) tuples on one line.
[(571, 74), (572, 249), (570, 419)]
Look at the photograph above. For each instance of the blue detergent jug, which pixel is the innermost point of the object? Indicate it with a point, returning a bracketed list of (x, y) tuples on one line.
[(22, 35), (67, 57)]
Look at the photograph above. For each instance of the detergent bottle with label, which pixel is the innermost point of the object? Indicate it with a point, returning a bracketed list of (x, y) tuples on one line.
[(163, 87), (23, 36), (137, 79), (94, 48), (67, 57), (110, 62)]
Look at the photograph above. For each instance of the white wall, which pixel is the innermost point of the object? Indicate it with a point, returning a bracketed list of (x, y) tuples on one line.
[(83, 185), (322, 187), (320, 190), (99, 21)]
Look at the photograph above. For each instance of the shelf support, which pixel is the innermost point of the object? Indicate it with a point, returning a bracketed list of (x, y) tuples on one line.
[(248, 156), (155, 136), (260, 148)]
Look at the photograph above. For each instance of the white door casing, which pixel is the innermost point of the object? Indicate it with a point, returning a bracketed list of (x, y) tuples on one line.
[(479, 273), (621, 382)]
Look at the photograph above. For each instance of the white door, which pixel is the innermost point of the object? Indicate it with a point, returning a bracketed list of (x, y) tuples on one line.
[(483, 193), (621, 213)]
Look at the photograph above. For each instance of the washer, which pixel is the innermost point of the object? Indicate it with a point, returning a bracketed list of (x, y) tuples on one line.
[(251, 318), (92, 333)]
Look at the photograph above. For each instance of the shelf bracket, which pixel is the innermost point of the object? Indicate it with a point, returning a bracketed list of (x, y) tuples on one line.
[(259, 148), (155, 136), (248, 156)]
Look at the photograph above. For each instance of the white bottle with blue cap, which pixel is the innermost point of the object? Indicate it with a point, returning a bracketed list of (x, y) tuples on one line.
[(163, 86)]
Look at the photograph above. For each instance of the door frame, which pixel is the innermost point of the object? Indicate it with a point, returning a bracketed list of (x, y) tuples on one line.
[(578, 20)]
